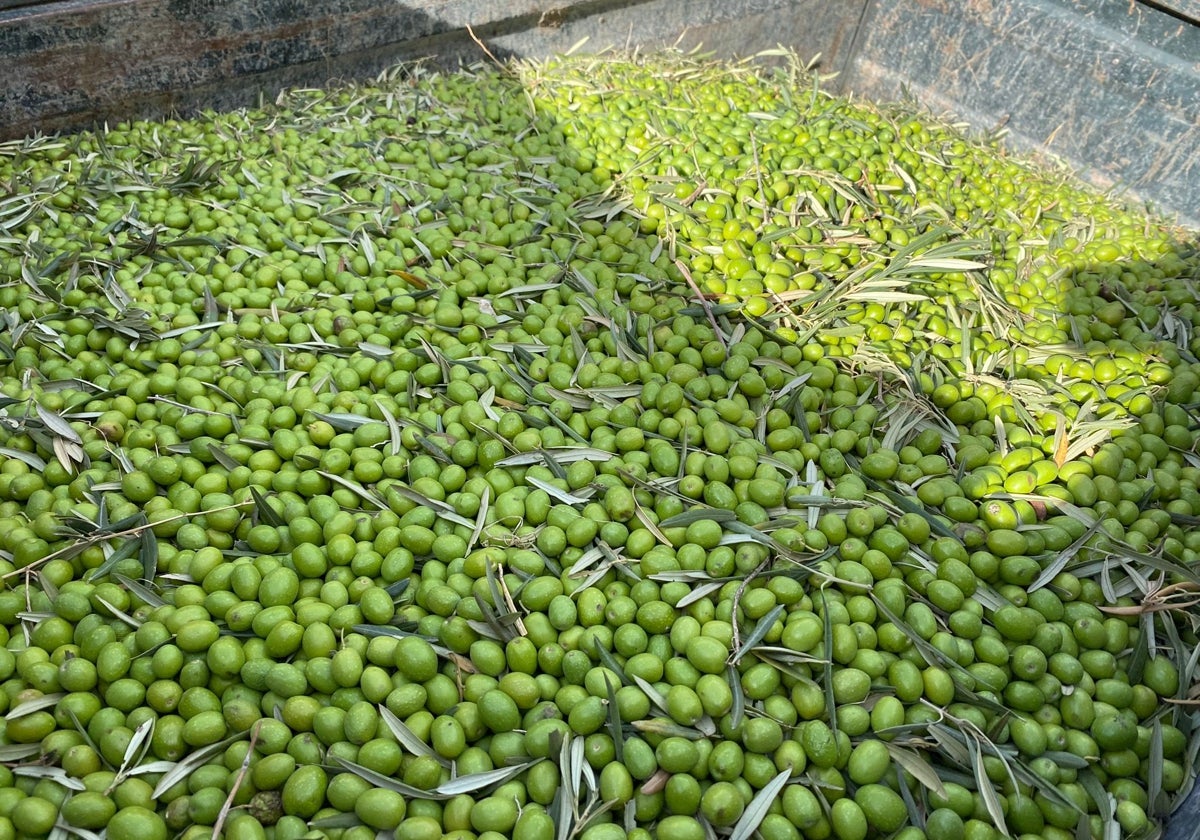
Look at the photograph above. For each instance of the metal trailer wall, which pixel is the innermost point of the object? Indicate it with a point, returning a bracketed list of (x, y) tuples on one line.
[(1110, 86)]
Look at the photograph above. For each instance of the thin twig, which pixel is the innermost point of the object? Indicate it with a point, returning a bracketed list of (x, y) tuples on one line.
[(737, 598), (241, 777), (712, 319), (483, 46)]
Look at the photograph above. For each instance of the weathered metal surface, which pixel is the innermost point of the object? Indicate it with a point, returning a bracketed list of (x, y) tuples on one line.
[(74, 62), (1112, 87), (810, 27), (1188, 10), (71, 63)]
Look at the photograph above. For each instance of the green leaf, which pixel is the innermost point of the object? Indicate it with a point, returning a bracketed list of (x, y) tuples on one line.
[(11, 753), (55, 774), (442, 509), (124, 616), (62, 829), (58, 425), (759, 807), (827, 668), (759, 633), (139, 589), (407, 738), (267, 514), (349, 820), (397, 445), (1064, 557), (738, 711), (148, 554), (991, 799), (1154, 776), (222, 457), (31, 459), (610, 662), (185, 767), (614, 721), (344, 422), (564, 496), (479, 781), (651, 692), (387, 782), (121, 552), (136, 749), (358, 490), (668, 728), (682, 520), (914, 763), (480, 517)]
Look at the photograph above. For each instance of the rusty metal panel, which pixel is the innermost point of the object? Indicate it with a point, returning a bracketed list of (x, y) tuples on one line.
[(1112, 87)]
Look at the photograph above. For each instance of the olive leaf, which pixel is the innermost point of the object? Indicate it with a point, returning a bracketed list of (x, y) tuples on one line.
[(148, 553), (614, 721), (759, 807), (917, 766), (58, 425), (991, 800), (138, 745), (140, 590), (125, 550), (185, 767), (480, 517), (1154, 777), (561, 455), (682, 520), (761, 628), (698, 593), (358, 490), (54, 774), (667, 728), (1064, 557), (12, 753), (567, 795), (610, 662), (62, 829), (916, 813), (34, 704), (344, 422), (652, 693), (397, 445), (222, 457), (737, 711), (119, 613), (475, 782), (31, 459), (564, 496), (380, 780), (407, 738), (827, 667), (442, 509), (266, 513), (347, 820)]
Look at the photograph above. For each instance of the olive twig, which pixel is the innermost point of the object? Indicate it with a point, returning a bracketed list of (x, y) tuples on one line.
[(237, 783)]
